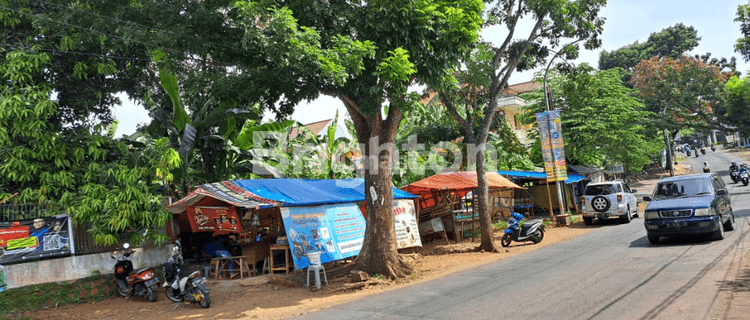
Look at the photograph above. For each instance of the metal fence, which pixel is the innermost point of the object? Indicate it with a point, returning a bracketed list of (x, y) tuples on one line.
[(84, 243)]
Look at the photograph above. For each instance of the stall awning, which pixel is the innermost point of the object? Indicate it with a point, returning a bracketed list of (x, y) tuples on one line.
[(226, 191), (572, 177), (305, 192), (458, 181)]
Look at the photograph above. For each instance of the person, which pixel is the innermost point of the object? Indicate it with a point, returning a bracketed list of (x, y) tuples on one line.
[(40, 228), (217, 250)]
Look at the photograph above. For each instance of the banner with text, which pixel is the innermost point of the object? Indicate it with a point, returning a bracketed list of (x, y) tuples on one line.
[(407, 229), (553, 146), (221, 220), (25, 240), (335, 231)]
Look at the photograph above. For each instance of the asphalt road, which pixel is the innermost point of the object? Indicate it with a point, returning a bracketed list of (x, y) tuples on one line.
[(610, 273)]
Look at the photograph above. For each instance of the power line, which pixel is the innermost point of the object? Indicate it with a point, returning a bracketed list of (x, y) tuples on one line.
[(220, 63), (75, 52), (135, 24)]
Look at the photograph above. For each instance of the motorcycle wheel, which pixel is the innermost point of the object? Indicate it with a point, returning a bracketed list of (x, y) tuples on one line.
[(170, 293), (152, 296), (745, 181), (205, 299), (507, 239), (539, 238), (119, 290)]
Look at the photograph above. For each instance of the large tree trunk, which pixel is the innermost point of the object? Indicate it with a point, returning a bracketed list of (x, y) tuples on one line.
[(379, 253), (485, 216)]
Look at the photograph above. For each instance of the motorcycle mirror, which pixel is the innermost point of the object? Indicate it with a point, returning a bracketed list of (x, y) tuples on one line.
[(126, 245)]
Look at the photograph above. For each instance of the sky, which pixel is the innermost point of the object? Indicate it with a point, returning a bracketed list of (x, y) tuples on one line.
[(627, 21)]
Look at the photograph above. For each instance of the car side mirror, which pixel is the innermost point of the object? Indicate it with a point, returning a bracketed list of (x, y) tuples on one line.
[(721, 192), (646, 198), (633, 190)]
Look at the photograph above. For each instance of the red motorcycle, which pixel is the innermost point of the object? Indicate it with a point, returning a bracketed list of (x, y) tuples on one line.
[(143, 283)]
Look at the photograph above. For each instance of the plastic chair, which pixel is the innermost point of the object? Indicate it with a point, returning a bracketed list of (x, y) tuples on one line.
[(316, 269)]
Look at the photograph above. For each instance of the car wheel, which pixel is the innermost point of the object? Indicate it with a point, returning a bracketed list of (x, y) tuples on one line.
[(653, 239), (626, 218), (719, 233), (588, 221), (729, 225), (600, 203)]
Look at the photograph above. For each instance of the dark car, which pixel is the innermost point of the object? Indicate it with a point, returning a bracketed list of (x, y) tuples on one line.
[(689, 205)]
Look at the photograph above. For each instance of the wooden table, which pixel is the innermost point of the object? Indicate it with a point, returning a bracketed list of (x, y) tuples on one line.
[(221, 265), (280, 247)]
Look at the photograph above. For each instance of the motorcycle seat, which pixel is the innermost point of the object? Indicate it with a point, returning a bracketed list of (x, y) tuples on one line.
[(139, 271)]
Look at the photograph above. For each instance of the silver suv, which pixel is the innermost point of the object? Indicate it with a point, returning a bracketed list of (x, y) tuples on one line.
[(608, 199)]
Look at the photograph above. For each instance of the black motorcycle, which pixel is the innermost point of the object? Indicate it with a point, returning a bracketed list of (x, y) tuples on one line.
[(703, 150), (734, 172), (182, 286), (713, 148)]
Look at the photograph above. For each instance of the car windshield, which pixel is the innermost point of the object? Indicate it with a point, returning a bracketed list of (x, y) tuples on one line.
[(601, 189), (683, 188)]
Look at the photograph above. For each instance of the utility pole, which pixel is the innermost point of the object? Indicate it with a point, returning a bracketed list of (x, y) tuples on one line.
[(548, 105)]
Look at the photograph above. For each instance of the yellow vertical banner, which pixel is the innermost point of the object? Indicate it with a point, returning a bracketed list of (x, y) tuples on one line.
[(553, 146)]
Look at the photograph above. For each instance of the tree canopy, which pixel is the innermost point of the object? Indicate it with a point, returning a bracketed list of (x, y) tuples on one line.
[(599, 117)]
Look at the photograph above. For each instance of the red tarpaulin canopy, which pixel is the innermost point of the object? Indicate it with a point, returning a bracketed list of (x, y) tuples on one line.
[(458, 183)]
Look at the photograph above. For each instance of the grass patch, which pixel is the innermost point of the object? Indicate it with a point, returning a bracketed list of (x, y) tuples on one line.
[(13, 302)]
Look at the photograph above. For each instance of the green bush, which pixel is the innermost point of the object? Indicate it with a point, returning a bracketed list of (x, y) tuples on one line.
[(13, 302)]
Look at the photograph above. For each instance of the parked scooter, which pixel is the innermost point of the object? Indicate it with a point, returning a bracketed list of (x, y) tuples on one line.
[(744, 174), (713, 147), (703, 150), (706, 169), (531, 230), (696, 153), (181, 286), (734, 172), (143, 283)]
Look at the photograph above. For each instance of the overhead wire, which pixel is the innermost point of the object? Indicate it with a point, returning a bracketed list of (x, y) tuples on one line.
[(136, 24), (213, 61)]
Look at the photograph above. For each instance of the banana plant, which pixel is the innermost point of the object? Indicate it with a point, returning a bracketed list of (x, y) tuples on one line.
[(214, 123)]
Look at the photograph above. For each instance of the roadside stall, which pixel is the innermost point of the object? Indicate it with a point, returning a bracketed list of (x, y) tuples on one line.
[(538, 195), (447, 203), (281, 223)]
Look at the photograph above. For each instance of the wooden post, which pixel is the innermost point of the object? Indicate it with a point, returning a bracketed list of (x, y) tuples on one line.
[(549, 198)]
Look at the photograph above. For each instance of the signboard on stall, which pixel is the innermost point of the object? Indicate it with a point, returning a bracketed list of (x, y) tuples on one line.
[(553, 146), (336, 231), (407, 229), (221, 220), (32, 239)]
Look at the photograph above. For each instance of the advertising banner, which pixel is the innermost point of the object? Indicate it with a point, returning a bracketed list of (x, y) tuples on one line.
[(336, 231), (25, 240), (221, 220), (553, 146), (407, 229)]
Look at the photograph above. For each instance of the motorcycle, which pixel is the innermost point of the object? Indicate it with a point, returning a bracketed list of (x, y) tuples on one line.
[(143, 283), (182, 286), (706, 169), (744, 174), (687, 151), (734, 172), (703, 150), (696, 153), (531, 230), (713, 148)]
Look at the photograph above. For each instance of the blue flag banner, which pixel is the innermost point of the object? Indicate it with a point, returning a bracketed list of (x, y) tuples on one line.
[(334, 231)]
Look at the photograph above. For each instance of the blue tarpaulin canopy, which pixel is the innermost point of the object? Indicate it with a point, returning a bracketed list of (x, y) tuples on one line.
[(305, 192), (572, 177)]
